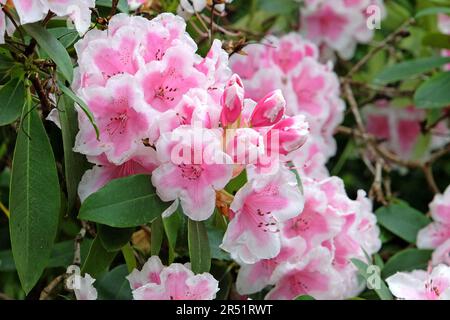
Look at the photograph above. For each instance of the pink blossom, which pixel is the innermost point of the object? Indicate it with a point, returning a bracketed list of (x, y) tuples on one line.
[(309, 161), (310, 88), (121, 116), (193, 166), (255, 277), (441, 254), (331, 228), (86, 290), (165, 82), (401, 128), (175, 282), (232, 101), (291, 132), (438, 231), (313, 275), (76, 10), (339, 24), (259, 207), (150, 273), (269, 110), (421, 285)]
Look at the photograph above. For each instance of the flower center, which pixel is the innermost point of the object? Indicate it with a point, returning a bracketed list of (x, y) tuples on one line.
[(117, 124), (191, 172)]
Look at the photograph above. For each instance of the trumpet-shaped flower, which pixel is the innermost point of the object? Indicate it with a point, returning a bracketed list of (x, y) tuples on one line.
[(421, 285)]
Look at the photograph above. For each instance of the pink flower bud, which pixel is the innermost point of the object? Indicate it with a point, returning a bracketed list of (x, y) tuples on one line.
[(290, 133), (232, 100), (269, 110)]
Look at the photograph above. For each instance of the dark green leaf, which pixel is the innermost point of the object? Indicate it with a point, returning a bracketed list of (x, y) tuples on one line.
[(157, 235), (434, 93), (432, 11), (437, 40), (34, 200), (62, 255), (236, 183), (98, 259), (74, 163), (199, 250), (402, 220), (304, 297), (215, 237), (409, 69), (69, 93), (66, 36), (12, 99), (363, 269), (113, 239), (407, 260), (123, 203), (172, 225), (52, 47), (113, 285)]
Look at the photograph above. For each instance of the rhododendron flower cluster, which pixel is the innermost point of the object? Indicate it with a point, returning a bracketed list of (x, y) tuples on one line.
[(421, 285), (163, 109), (401, 128), (339, 24), (437, 234), (316, 247), (175, 282), (310, 87), (158, 282)]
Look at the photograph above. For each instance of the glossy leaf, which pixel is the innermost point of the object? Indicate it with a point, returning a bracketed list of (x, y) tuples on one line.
[(52, 47), (402, 220), (123, 203), (12, 98), (34, 200), (113, 285), (434, 92), (407, 260), (409, 69), (74, 163), (199, 250), (98, 259)]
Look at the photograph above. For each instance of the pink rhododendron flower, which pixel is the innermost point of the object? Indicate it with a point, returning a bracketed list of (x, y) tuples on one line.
[(401, 128), (86, 290), (122, 118), (441, 254), (331, 229), (79, 11), (258, 208), (193, 168), (290, 63), (421, 285), (269, 110), (175, 282), (339, 24), (232, 101), (313, 275), (438, 231)]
